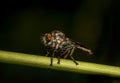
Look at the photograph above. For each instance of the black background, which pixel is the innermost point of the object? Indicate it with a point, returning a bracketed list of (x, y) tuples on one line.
[(22, 22)]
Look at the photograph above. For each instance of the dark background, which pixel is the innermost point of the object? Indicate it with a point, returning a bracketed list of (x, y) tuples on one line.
[(94, 23)]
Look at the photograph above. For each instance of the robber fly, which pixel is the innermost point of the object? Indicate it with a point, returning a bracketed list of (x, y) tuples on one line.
[(61, 45)]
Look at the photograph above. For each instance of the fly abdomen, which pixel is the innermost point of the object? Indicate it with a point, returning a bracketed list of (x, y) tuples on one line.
[(82, 47)]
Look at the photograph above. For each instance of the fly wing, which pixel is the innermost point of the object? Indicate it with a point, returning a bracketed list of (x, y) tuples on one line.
[(82, 47)]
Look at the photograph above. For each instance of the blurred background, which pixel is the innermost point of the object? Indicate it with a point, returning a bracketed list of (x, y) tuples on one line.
[(94, 23)]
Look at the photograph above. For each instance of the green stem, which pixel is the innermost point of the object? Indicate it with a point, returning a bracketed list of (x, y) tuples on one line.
[(66, 65)]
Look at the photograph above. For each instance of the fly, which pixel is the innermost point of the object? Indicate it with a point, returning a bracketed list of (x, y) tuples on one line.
[(61, 45)]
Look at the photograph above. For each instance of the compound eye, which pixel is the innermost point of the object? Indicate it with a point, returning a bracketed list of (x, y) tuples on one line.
[(49, 36)]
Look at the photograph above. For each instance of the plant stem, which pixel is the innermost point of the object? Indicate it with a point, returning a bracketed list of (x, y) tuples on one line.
[(66, 65)]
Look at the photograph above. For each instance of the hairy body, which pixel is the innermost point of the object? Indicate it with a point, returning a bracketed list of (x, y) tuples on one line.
[(61, 45)]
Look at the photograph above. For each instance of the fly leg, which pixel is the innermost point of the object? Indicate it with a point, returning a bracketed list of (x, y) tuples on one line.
[(71, 52), (66, 54), (58, 60), (52, 57)]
